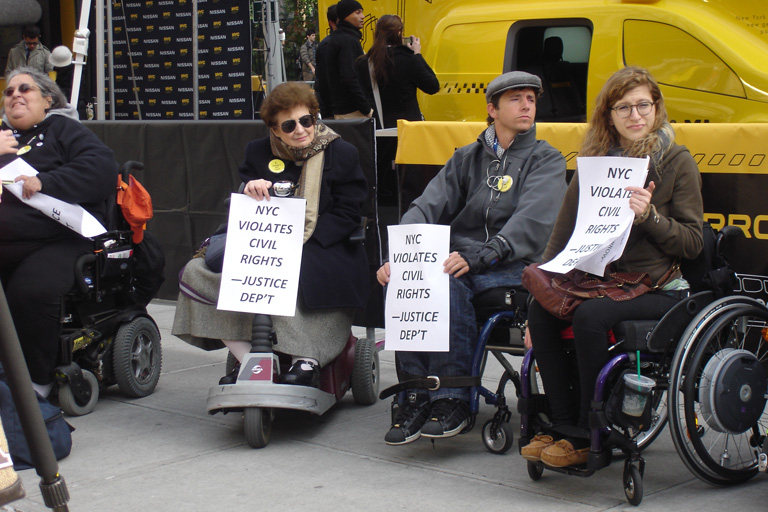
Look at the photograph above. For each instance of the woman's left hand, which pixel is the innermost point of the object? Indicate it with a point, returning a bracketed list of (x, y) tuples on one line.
[(32, 185), (640, 200)]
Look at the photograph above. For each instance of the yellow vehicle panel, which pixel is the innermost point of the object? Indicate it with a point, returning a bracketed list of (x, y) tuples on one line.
[(711, 58)]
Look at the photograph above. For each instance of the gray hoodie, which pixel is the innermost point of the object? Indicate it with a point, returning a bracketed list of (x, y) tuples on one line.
[(524, 214)]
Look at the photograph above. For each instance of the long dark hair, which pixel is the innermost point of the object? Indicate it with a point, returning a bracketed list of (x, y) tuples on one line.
[(389, 32)]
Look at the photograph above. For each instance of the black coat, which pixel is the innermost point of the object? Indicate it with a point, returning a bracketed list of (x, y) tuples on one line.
[(73, 165), (398, 95), (336, 76), (333, 269)]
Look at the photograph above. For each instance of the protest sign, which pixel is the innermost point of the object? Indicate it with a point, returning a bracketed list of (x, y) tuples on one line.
[(604, 219), (73, 216), (262, 260), (418, 303)]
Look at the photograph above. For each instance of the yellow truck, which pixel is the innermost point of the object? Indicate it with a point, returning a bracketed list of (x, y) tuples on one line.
[(710, 56)]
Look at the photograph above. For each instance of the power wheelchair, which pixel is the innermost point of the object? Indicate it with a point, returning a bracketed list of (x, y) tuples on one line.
[(107, 335), (613, 434)]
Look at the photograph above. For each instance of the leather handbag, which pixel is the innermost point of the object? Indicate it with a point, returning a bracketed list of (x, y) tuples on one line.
[(561, 294)]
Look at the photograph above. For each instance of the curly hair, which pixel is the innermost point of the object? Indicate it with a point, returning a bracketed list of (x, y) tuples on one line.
[(285, 97), (603, 136)]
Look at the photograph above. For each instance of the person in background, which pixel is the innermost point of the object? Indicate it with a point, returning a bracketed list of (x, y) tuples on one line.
[(342, 85), (37, 253), (629, 120), (30, 52), (399, 71), (322, 82), (308, 58), (497, 195)]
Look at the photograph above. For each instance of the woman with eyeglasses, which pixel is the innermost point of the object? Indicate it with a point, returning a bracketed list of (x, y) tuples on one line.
[(629, 120), (333, 281), (37, 253)]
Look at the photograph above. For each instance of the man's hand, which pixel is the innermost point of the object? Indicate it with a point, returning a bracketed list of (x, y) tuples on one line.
[(455, 265), (382, 275)]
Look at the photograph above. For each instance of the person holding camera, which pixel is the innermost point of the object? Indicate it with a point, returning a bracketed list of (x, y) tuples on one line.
[(395, 66)]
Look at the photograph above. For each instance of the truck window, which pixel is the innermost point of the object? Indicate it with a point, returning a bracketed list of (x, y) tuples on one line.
[(557, 51), (677, 59)]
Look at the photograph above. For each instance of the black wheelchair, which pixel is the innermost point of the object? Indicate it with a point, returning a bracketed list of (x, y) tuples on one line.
[(613, 434), (107, 335)]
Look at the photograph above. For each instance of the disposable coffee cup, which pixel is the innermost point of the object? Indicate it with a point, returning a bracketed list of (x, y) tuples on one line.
[(637, 389)]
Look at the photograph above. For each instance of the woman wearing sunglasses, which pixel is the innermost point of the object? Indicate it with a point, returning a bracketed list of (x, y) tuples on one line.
[(37, 254), (333, 282)]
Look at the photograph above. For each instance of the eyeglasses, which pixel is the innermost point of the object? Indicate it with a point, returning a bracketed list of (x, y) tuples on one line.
[(290, 125), (23, 89), (643, 108)]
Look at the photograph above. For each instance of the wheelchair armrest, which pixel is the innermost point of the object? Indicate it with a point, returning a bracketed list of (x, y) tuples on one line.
[(358, 235), (82, 261)]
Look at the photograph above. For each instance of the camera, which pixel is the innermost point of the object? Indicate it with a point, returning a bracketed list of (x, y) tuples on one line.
[(407, 41)]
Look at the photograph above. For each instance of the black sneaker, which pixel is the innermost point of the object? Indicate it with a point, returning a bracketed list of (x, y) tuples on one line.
[(448, 418), (410, 416), (302, 373)]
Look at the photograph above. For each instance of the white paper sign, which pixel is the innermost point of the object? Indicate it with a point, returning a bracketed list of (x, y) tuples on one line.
[(73, 216), (262, 260), (418, 304), (604, 218)]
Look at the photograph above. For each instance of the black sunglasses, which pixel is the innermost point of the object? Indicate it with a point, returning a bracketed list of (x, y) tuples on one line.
[(290, 125), (23, 89)]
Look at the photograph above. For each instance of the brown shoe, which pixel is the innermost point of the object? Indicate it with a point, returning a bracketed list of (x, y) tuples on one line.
[(532, 451), (562, 454)]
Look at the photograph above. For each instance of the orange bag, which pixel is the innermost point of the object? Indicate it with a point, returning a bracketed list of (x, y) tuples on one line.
[(136, 204)]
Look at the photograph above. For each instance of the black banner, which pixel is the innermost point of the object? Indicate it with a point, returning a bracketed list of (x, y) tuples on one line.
[(154, 62)]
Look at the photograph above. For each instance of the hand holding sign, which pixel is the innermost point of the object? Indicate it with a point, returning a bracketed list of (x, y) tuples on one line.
[(610, 195)]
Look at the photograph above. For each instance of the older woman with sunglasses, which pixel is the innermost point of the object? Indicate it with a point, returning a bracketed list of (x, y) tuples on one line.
[(38, 254), (629, 120), (333, 280)]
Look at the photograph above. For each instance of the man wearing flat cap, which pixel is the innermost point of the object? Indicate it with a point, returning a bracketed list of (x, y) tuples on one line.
[(500, 195)]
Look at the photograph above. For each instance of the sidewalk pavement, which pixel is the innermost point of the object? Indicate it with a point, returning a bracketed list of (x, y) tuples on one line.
[(165, 453)]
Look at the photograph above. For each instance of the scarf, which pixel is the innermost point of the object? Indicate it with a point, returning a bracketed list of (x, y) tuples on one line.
[(323, 137)]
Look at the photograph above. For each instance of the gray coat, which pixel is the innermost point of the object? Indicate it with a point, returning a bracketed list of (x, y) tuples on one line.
[(524, 215)]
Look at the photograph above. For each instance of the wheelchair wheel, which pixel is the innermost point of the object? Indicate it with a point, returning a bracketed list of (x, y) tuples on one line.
[(633, 484), (137, 357), (257, 426), (718, 415), (535, 470), (365, 375), (67, 400), (501, 440)]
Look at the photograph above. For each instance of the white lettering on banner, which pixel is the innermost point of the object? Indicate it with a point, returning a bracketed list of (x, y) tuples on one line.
[(221, 114), (417, 309), (153, 114), (185, 89), (218, 37), (604, 217), (218, 11), (234, 23), (149, 89), (262, 259)]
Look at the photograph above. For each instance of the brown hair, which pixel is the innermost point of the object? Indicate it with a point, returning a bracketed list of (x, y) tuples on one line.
[(389, 32), (602, 136), (285, 97)]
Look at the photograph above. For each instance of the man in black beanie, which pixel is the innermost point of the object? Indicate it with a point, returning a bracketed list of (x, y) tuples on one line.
[(347, 99)]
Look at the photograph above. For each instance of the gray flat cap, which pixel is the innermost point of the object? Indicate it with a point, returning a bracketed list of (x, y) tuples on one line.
[(512, 80)]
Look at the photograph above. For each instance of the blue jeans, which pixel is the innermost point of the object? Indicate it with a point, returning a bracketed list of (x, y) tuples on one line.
[(457, 362)]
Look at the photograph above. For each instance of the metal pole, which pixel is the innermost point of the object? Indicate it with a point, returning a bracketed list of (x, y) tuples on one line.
[(100, 96), (52, 485), (195, 78), (275, 67), (110, 63)]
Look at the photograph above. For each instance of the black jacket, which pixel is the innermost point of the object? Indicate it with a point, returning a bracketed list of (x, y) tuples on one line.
[(398, 95), (336, 75), (73, 165), (333, 269)]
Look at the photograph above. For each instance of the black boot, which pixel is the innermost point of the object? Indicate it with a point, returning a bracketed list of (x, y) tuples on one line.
[(302, 373)]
